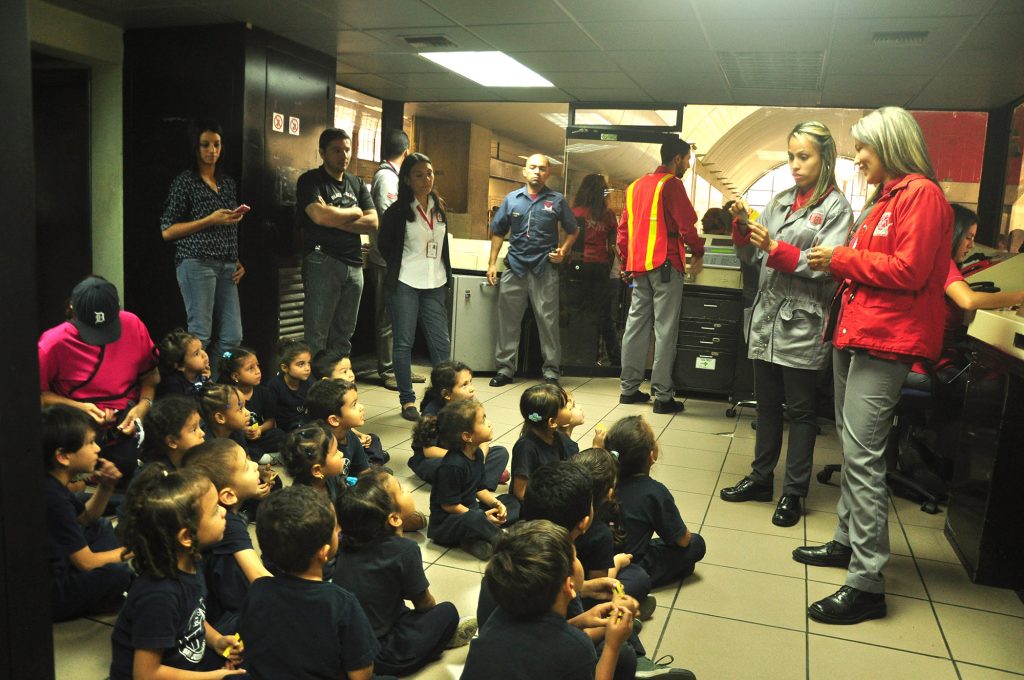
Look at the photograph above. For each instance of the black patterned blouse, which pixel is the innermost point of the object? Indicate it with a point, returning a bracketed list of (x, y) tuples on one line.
[(190, 199)]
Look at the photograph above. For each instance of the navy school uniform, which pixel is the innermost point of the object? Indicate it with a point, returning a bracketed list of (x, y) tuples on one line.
[(225, 580), (161, 614), (458, 481), (176, 383), (303, 630), (355, 454), (288, 406), (596, 552), (530, 452), (495, 462), (383, 576), (647, 508), (261, 406), (75, 593)]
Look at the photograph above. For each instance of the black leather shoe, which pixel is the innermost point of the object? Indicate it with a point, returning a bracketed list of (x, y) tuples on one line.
[(788, 511), (747, 490), (848, 605), (637, 397), (500, 380), (668, 406), (551, 380), (832, 554)]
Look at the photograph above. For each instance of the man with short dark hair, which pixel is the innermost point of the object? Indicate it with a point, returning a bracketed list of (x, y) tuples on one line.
[(657, 222), (334, 208), (530, 217)]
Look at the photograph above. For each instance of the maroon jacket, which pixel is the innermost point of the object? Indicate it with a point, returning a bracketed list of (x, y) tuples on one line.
[(891, 300)]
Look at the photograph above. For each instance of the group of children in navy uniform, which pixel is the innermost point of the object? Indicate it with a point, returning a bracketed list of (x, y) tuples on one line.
[(568, 540)]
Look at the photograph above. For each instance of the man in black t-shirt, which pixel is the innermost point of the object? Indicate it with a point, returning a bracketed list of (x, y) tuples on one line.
[(334, 207)]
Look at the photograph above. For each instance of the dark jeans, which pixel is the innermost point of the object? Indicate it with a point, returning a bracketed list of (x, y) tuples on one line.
[(494, 464), (416, 639), (332, 292), (80, 593), (669, 563), (429, 307), (796, 388)]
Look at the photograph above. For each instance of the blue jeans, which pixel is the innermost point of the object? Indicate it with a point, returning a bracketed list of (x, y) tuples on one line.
[(211, 300), (332, 290), (429, 306)]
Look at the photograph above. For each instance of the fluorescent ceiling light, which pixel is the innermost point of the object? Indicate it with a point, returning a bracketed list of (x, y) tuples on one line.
[(491, 69)]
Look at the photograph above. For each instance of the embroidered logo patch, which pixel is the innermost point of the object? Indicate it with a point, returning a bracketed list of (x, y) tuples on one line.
[(549, 206), (882, 228), (816, 219)]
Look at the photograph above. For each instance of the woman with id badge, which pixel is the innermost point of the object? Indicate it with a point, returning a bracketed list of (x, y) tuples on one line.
[(787, 317), (413, 239)]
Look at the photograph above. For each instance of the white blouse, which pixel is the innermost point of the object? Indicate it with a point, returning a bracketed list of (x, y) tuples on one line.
[(419, 270)]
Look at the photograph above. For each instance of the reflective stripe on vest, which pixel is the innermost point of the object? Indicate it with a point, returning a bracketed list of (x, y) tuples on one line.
[(652, 226)]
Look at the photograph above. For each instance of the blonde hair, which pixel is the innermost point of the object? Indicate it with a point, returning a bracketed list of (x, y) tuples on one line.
[(897, 139), (821, 136)]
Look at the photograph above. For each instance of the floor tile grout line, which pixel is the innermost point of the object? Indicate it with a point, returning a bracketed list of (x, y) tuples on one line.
[(890, 648), (957, 662), (735, 620)]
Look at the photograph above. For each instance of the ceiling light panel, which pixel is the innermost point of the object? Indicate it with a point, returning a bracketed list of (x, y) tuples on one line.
[(491, 69)]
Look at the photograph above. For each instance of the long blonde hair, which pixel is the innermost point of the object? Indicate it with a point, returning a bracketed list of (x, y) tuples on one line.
[(897, 139), (821, 136)]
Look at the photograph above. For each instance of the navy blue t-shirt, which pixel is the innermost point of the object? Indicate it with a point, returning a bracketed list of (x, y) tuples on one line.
[(304, 630), (287, 406), (458, 481), (486, 605), (225, 580), (64, 535), (543, 647), (596, 548), (175, 383), (260, 404), (383, 576), (530, 452), (161, 614), (532, 227), (354, 452), (647, 508), (350, 191)]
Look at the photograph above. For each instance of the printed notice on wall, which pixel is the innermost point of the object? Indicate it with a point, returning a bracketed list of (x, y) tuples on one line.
[(706, 363), (277, 122), (293, 125)]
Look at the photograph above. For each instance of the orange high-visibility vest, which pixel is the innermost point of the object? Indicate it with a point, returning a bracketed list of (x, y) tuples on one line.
[(648, 233)]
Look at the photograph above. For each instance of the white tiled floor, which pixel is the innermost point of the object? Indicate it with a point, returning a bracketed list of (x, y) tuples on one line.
[(742, 614)]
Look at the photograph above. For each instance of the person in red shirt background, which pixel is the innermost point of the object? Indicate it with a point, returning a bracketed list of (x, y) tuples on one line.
[(888, 312)]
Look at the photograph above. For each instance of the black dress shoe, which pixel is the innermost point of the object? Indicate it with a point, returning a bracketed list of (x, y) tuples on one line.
[(668, 406), (747, 490), (637, 397), (551, 380), (500, 380), (848, 605), (832, 554), (788, 511)]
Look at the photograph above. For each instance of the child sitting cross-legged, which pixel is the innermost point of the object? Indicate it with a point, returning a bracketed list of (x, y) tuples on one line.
[(231, 564), (183, 363), (534, 575), (330, 364), (289, 386), (87, 568), (240, 368), (383, 569), (296, 625), (336, 402), (173, 427)]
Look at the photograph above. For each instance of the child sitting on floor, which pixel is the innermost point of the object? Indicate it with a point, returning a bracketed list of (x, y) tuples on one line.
[(330, 364), (172, 427), (183, 362), (240, 368), (288, 388)]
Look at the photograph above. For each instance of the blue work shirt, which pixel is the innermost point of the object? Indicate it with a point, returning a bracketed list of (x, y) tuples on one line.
[(532, 227)]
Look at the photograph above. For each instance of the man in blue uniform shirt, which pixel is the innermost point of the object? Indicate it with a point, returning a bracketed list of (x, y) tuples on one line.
[(530, 217)]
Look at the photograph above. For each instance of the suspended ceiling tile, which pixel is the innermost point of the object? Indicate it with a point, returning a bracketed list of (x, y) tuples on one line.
[(462, 94), (344, 67), (644, 35), (729, 10), (463, 39), (474, 12), (910, 8), (322, 41), (943, 33), (357, 42), (1008, 7), (756, 97), (389, 62), (364, 14), (423, 81), (618, 95), (577, 61), (665, 61), (665, 10), (528, 37), (276, 17), (796, 34), (881, 60), (531, 94), (364, 82), (970, 93), (871, 91), (598, 79), (998, 33), (147, 17), (708, 83), (983, 62)]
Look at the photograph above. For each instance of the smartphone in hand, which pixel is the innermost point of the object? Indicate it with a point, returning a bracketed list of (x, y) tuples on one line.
[(242, 209)]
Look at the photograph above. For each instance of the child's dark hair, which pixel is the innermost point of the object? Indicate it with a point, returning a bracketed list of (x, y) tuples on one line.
[(363, 512), (325, 361), (292, 525), (230, 361), (165, 418), (172, 348), (159, 504), (443, 378), (632, 438), (325, 398), (305, 447), (213, 398), (529, 567), (446, 429), (64, 427), (540, 403), (288, 349), (560, 493), (604, 472), (216, 458)]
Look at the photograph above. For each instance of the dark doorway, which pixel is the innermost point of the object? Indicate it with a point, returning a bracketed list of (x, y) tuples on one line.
[(60, 103)]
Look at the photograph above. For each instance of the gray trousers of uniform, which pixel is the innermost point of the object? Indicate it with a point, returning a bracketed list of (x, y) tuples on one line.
[(655, 302), (382, 321), (867, 391), (541, 291), (776, 385)]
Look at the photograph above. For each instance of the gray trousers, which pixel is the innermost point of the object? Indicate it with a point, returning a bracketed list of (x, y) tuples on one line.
[(331, 307), (541, 291), (382, 321), (655, 302), (863, 422), (796, 388)]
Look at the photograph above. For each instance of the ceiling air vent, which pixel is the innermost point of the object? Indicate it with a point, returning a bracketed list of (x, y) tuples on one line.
[(772, 70), (428, 41), (899, 38)]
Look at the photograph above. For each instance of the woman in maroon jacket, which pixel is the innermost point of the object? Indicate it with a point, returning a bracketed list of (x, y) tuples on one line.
[(887, 313)]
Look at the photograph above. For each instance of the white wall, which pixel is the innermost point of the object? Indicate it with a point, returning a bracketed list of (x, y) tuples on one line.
[(99, 45)]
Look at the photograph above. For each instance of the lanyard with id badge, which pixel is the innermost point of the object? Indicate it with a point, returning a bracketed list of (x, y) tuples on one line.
[(432, 249)]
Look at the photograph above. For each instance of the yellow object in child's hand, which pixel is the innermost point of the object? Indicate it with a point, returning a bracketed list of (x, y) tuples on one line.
[(237, 643), (752, 215), (619, 590)]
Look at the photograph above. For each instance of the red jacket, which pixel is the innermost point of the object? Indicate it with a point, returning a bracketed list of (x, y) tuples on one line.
[(895, 269)]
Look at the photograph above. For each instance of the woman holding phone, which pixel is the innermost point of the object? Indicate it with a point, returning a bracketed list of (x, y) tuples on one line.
[(201, 216), (787, 318)]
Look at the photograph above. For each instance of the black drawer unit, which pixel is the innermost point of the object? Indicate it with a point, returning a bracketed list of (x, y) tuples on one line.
[(710, 329)]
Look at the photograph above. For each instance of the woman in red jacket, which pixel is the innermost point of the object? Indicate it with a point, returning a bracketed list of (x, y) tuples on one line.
[(887, 313)]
